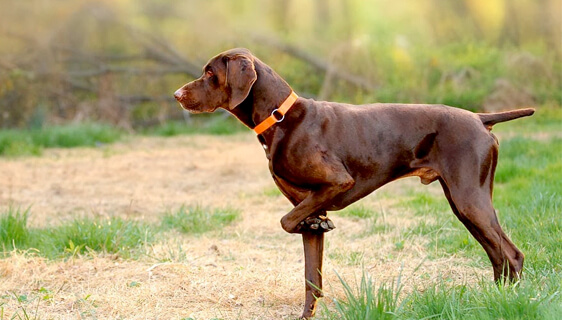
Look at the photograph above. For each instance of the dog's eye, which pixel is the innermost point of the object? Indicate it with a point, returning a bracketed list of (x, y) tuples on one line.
[(209, 73)]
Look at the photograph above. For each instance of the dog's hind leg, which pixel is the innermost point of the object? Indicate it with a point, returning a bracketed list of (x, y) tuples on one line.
[(469, 192)]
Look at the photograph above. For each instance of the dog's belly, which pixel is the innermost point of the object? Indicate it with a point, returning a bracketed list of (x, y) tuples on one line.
[(345, 199), (363, 188), (395, 164)]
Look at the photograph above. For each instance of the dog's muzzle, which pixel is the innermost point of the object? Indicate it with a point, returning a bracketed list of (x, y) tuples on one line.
[(179, 95)]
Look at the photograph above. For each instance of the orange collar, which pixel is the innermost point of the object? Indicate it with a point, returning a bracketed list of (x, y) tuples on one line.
[(277, 115)]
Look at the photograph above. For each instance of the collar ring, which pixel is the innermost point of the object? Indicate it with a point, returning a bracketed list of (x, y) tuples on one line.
[(275, 114)]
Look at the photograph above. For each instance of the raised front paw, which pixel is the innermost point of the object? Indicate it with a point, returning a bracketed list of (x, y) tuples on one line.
[(319, 224)]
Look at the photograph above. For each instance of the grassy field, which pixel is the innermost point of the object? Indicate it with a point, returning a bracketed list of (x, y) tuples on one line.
[(17, 142), (211, 217)]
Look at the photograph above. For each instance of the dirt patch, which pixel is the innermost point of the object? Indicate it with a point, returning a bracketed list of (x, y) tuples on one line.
[(140, 178), (250, 270)]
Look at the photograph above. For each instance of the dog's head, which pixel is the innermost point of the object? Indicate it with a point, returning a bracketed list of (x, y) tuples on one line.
[(226, 82)]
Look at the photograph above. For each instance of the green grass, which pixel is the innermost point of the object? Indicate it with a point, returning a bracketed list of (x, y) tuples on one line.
[(272, 192), (423, 203), (31, 142), (75, 135), (529, 197), (370, 218), (364, 301), (448, 237), (85, 236), (115, 235), (438, 227), (19, 142), (203, 124), (350, 258), (357, 211), (80, 236), (13, 228), (197, 219), (536, 296), (28, 305)]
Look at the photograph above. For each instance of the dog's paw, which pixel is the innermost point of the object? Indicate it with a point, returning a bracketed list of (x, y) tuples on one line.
[(318, 224)]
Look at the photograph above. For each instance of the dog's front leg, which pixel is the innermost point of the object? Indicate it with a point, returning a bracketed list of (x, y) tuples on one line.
[(302, 217), (313, 243)]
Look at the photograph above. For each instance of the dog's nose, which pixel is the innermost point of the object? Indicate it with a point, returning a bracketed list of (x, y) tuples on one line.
[(178, 94)]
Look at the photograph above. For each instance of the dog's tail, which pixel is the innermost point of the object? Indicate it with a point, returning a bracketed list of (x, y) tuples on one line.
[(489, 119)]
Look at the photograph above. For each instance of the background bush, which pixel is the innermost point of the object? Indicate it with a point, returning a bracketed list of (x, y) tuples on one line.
[(119, 62)]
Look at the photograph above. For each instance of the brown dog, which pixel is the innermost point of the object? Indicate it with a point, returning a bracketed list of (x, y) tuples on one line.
[(324, 156)]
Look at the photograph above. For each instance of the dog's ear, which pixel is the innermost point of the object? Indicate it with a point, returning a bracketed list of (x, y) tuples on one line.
[(240, 76)]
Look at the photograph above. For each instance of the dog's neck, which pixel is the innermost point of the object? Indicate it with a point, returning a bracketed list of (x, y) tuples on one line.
[(268, 93)]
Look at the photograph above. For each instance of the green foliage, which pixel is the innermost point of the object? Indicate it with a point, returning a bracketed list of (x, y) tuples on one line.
[(451, 52), (197, 220), (460, 75)]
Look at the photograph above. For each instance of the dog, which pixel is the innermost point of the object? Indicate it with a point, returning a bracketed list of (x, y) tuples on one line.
[(324, 156)]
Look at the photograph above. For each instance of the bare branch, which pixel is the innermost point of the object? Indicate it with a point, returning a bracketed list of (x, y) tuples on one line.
[(316, 62)]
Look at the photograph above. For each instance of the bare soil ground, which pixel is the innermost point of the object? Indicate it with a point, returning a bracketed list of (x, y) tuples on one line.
[(249, 270)]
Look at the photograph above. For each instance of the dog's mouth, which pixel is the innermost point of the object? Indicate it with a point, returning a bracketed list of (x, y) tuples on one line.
[(191, 106), (195, 107)]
